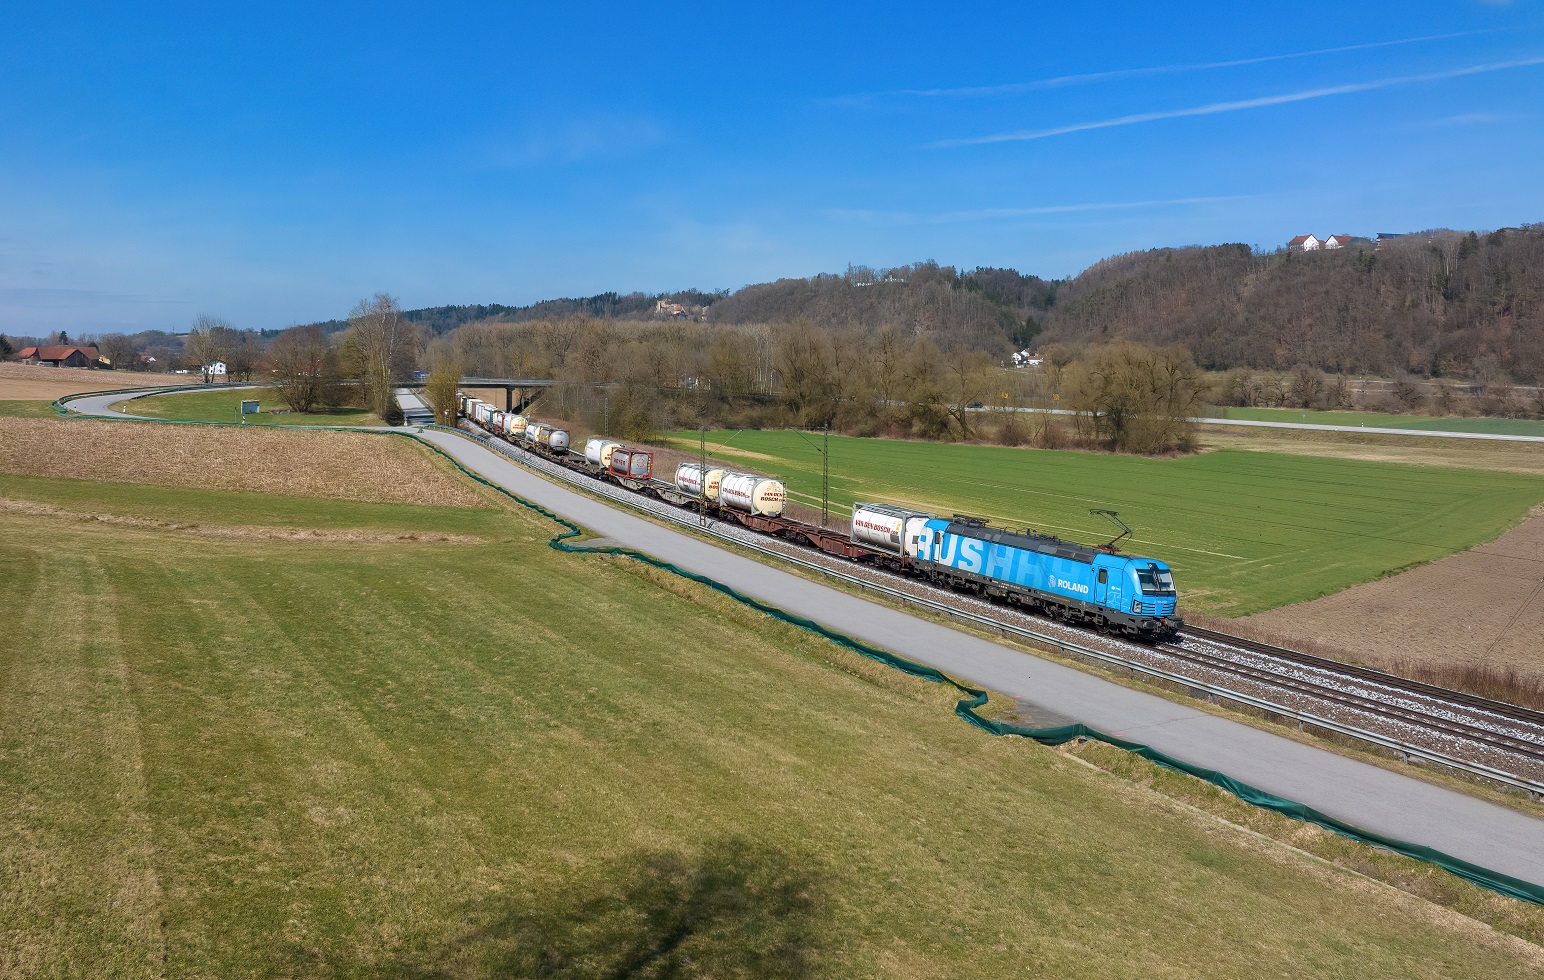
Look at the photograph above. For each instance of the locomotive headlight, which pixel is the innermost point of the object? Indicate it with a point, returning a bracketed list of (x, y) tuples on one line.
[(1136, 605)]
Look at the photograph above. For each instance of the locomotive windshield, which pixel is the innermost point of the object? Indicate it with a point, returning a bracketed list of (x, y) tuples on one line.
[(1155, 580)]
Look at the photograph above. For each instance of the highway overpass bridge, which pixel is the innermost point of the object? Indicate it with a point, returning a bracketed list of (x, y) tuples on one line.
[(519, 393)]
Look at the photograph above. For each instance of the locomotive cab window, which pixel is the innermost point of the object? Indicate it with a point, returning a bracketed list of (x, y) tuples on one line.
[(1155, 580), (1104, 576)]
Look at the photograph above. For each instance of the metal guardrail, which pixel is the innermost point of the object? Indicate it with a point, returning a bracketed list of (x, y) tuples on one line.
[(1405, 750)]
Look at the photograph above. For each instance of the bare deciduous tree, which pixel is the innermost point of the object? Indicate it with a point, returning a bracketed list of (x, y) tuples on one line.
[(440, 390), (382, 344), (1135, 399), (120, 351), (305, 368), (213, 339)]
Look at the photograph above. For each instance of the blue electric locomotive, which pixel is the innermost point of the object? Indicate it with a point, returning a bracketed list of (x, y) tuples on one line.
[(1074, 582)]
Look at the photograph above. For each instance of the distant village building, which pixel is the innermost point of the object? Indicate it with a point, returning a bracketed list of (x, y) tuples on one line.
[(1383, 237), (1025, 359), (59, 356), (673, 310), (1313, 243), (214, 371)]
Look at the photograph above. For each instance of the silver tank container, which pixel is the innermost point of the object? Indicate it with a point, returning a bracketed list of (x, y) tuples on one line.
[(697, 480), (598, 451)]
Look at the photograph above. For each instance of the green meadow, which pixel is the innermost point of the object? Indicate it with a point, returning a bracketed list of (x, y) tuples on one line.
[(225, 406), (244, 757), (1245, 531)]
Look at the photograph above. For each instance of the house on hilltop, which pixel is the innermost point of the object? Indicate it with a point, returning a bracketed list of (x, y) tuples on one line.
[(59, 356), (1305, 243), (1337, 241)]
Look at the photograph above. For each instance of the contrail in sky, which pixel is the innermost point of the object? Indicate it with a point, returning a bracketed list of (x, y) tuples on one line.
[(1072, 208), (1104, 76), (1217, 108), (911, 218)]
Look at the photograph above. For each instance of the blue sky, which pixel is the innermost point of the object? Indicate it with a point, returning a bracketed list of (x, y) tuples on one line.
[(274, 166)]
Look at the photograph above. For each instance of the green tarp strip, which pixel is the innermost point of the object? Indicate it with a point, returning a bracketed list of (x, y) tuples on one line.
[(975, 698)]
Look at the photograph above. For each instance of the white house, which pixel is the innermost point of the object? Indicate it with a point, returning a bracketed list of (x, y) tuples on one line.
[(1337, 241), (1305, 243)]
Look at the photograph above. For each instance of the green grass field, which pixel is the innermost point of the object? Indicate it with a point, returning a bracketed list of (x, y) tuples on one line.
[(258, 758), (27, 408), (225, 406), (1245, 531), (1509, 427)]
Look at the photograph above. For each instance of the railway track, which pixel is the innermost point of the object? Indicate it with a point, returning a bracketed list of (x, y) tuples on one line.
[(1400, 703), (1391, 711), (1515, 712)]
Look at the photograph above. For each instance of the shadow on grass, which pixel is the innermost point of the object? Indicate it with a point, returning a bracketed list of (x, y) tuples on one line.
[(734, 908)]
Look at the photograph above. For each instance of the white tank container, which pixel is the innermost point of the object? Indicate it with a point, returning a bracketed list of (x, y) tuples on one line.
[(699, 481), (533, 431), (881, 526), (598, 451), (514, 426), (554, 438), (496, 422), (752, 494)]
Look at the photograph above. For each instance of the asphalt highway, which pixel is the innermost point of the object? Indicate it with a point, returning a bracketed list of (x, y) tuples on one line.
[(1371, 797)]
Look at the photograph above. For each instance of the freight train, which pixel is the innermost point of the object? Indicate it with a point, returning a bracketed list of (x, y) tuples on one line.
[(1095, 586)]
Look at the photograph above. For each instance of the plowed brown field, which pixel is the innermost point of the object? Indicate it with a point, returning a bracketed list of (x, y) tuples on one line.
[(23, 381), (1482, 606), (344, 465)]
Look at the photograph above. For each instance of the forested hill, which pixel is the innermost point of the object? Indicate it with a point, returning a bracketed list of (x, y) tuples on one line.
[(1439, 303), (1435, 303), (621, 306), (991, 309)]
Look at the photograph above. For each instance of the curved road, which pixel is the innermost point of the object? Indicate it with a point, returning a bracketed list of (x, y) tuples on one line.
[(1376, 799)]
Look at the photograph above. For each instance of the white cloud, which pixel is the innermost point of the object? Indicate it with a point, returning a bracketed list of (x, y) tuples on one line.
[(1217, 108), (580, 139)]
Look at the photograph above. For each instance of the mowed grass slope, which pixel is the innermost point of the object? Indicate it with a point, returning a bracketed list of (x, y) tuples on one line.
[(1245, 531), (225, 406), (240, 758)]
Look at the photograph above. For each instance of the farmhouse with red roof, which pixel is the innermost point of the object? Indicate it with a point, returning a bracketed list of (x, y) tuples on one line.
[(76, 357)]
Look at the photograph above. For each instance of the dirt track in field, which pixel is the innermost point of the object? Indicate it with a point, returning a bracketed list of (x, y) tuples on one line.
[(243, 532), (342, 465), (33, 381), (1481, 606)]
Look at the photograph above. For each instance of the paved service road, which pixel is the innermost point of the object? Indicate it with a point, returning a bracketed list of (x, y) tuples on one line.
[(1317, 427), (1376, 799), (1366, 795)]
